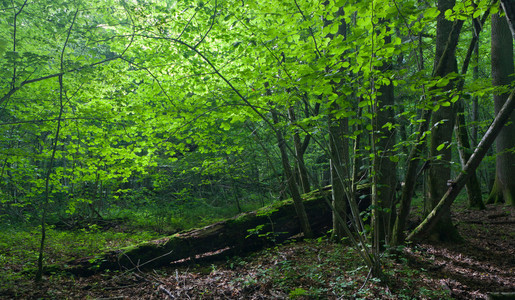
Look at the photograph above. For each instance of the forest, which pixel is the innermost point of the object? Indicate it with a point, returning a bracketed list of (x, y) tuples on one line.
[(242, 149)]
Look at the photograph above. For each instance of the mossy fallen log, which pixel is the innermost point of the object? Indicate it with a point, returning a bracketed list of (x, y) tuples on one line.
[(241, 234)]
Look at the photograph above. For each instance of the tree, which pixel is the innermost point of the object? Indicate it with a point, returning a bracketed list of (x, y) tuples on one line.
[(427, 226), (384, 165), (502, 76), (442, 123), (504, 115)]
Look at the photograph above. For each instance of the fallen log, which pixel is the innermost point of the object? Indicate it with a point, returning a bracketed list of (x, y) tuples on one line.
[(242, 234)]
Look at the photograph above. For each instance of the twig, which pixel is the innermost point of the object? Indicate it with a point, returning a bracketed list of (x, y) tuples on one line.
[(162, 289), (137, 266), (210, 27), (366, 279)]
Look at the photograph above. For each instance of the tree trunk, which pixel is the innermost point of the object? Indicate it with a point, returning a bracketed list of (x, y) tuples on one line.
[(502, 70), (442, 125), (446, 58), (473, 186), (300, 166), (384, 167), (475, 99), (455, 186), (290, 179), (339, 151)]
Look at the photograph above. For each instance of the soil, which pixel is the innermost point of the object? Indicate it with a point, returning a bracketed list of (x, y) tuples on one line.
[(482, 263)]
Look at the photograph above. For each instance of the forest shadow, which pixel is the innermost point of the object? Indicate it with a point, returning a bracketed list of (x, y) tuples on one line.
[(482, 263)]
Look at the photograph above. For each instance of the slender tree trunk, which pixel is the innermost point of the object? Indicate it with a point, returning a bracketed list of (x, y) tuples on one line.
[(473, 186), (339, 150), (300, 166), (356, 161), (236, 194), (475, 99), (502, 72), (384, 167), (290, 179), (509, 8), (39, 273)]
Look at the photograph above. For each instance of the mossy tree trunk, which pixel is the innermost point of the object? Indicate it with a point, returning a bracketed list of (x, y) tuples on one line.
[(241, 234)]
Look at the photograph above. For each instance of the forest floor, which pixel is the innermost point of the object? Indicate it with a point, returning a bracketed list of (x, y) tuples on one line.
[(317, 269)]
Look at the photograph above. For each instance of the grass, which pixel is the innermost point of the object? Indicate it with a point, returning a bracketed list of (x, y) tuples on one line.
[(19, 247)]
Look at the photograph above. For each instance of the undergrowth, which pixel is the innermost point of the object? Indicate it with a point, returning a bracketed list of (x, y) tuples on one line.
[(19, 248), (320, 269)]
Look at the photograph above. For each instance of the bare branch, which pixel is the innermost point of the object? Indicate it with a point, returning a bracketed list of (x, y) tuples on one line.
[(210, 27)]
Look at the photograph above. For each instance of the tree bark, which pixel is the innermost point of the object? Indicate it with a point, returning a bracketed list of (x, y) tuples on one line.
[(502, 70)]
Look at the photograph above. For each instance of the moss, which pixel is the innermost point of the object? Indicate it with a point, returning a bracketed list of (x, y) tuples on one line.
[(228, 233), (496, 194)]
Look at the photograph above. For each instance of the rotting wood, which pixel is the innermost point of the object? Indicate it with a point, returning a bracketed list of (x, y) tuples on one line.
[(227, 237)]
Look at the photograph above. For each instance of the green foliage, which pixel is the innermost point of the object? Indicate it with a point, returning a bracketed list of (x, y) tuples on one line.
[(297, 293), (166, 114)]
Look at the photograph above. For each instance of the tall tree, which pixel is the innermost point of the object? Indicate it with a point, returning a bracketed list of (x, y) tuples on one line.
[(442, 125), (337, 128), (384, 173), (502, 76)]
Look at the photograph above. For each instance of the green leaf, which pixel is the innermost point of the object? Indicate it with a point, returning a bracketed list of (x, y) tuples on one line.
[(394, 158), (225, 126)]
